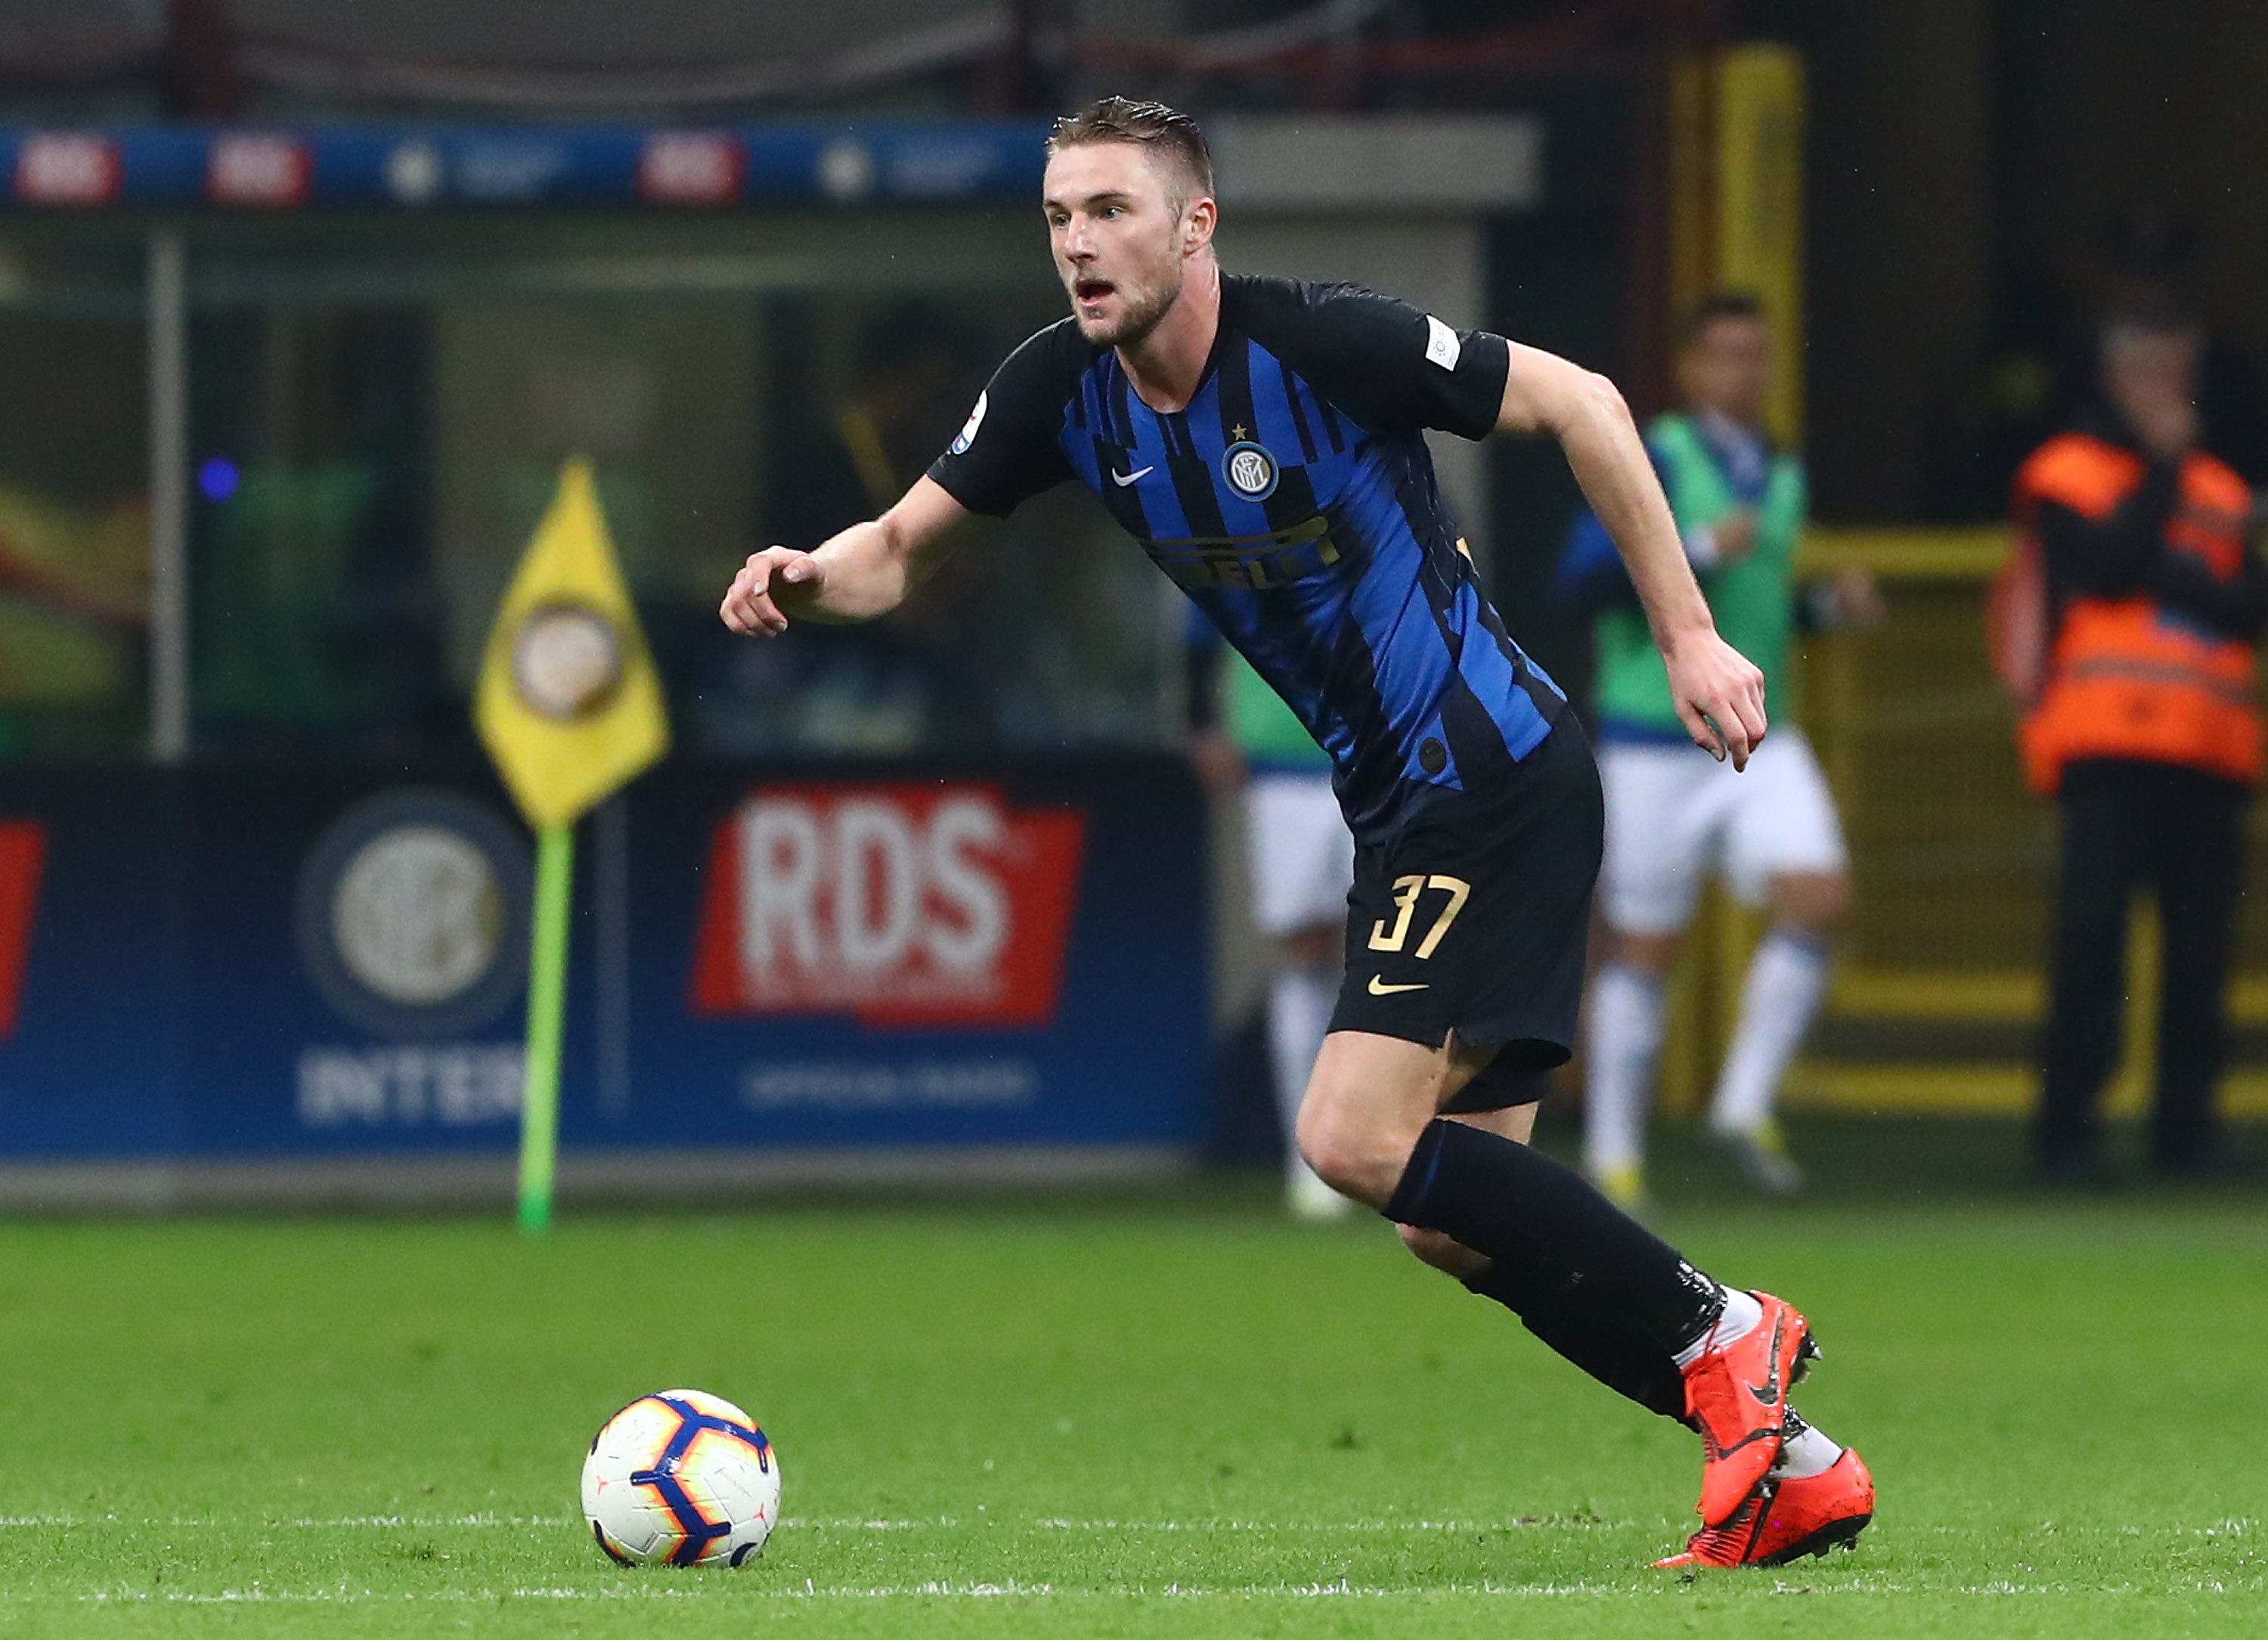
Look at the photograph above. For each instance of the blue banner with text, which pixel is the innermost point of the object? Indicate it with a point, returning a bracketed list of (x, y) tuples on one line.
[(255, 961)]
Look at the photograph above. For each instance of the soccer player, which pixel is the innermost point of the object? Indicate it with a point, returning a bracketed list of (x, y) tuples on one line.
[(1263, 440), (1671, 815)]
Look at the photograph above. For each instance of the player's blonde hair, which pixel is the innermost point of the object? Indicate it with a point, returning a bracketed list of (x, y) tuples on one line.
[(1151, 126)]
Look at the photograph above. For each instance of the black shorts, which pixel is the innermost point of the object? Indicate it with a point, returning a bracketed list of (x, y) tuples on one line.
[(1473, 919)]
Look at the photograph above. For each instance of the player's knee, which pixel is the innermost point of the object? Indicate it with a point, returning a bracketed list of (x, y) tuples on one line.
[(1330, 1143), (1353, 1155)]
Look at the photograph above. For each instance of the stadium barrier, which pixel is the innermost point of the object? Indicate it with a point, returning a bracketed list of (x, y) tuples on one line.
[(228, 982)]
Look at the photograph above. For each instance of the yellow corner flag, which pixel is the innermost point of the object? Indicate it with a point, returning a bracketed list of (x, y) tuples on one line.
[(569, 704)]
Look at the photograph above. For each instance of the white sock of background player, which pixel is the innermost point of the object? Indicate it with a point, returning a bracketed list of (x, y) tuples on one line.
[(1623, 1035), (1785, 982), (1300, 1001)]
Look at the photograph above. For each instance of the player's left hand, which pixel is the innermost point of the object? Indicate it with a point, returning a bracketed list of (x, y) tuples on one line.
[(1720, 695)]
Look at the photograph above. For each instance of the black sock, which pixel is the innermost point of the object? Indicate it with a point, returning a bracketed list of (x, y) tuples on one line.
[(1606, 1345), (1499, 1197)]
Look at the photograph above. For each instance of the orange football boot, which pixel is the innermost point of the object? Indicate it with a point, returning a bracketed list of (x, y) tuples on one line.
[(1727, 1545), (1737, 1397), (1785, 1520)]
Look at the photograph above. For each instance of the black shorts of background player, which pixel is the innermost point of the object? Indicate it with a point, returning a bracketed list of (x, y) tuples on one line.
[(1263, 441)]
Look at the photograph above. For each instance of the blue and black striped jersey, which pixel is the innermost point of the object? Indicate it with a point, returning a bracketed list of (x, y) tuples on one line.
[(1294, 501)]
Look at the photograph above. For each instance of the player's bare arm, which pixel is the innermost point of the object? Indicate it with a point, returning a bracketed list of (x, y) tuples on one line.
[(864, 572), (1720, 695)]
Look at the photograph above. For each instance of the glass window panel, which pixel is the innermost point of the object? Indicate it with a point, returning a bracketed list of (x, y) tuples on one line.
[(74, 496), (380, 416)]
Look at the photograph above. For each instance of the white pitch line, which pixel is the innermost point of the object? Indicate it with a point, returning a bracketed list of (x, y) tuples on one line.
[(2230, 1528), (1013, 1588), (424, 1523)]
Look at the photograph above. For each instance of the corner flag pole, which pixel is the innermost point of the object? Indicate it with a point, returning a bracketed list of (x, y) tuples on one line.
[(570, 706), (546, 1011)]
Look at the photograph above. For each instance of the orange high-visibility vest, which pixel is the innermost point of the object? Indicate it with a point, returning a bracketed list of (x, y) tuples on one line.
[(2124, 678)]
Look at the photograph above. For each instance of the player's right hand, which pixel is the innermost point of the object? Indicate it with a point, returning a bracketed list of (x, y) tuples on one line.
[(2167, 427), (771, 578), (1720, 695)]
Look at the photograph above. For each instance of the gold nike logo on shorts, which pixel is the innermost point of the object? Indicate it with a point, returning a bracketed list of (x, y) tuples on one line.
[(1378, 988)]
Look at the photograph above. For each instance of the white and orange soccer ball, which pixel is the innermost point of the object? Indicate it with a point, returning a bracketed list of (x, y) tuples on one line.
[(682, 1478)]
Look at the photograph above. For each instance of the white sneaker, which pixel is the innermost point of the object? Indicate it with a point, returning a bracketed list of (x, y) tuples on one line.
[(1312, 1202)]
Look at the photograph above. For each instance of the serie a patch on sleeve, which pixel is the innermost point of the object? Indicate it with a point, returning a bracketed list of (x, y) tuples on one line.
[(1441, 344), (969, 428)]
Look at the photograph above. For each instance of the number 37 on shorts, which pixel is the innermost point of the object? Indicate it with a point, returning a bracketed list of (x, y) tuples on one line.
[(1393, 936)]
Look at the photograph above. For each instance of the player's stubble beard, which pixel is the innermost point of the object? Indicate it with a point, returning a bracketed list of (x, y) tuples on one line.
[(1142, 314), (1144, 307)]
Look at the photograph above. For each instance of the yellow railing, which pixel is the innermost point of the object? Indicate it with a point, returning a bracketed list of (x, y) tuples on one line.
[(1895, 555), (1950, 859)]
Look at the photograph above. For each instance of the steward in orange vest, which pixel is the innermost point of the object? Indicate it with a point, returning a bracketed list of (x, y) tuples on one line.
[(2153, 605), (2145, 602)]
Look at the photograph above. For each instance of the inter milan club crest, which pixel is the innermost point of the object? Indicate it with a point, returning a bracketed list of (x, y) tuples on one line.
[(1250, 470)]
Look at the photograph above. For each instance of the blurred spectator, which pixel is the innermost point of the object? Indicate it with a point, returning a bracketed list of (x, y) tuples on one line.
[(2044, 377), (1673, 813), (1301, 865), (2133, 650), (2148, 255)]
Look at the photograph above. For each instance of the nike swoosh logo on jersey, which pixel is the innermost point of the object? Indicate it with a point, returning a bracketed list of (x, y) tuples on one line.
[(1378, 988), (1122, 480)]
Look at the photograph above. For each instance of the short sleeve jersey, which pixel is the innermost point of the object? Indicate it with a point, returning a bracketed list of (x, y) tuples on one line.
[(1294, 501)]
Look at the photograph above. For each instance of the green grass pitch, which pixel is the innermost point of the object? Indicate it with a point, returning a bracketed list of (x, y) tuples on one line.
[(1165, 1414)]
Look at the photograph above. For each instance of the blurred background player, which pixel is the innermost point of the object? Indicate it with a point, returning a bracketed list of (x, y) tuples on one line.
[(2149, 603), (1301, 863), (1673, 814)]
